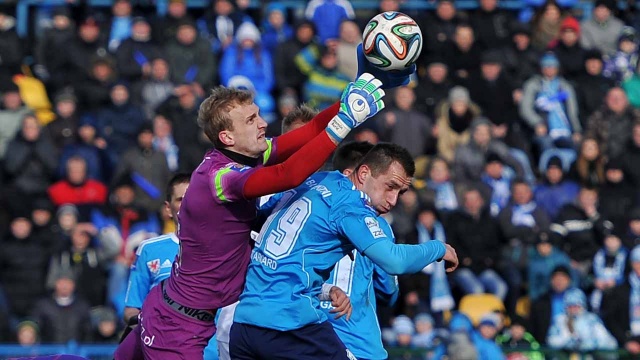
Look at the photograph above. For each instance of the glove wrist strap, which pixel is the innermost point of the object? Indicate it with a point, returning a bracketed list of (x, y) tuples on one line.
[(338, 129)]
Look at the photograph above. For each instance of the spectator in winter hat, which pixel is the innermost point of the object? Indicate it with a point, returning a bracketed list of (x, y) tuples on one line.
[(425, 335), (568, 50), (404, 329), (623, 65), (453, 125), (578, 329)]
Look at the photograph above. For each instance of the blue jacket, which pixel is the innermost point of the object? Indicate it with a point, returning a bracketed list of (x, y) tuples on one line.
[(119, 126), (487, 348), (552, 197), (259, 72), (540, 269), (271, 37)]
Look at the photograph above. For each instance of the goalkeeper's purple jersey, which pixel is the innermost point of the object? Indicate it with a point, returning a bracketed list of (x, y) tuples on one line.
[(214, 225)]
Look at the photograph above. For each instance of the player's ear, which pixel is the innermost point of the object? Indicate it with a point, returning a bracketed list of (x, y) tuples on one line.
[(362, 173), (226, 137)]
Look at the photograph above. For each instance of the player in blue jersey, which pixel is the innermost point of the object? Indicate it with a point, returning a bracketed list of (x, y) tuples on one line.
[(155, 256), (362, 280), (309, 230), (340, 303)]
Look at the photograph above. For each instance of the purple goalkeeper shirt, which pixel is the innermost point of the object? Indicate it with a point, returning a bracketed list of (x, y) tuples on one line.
[(214, 225)]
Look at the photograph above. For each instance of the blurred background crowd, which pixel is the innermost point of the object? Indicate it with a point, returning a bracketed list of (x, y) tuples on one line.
[(524, 122)]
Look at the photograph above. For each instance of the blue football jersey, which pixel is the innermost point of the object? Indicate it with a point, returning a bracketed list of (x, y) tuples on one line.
[(363, 281), (154, 258), (309, 230)]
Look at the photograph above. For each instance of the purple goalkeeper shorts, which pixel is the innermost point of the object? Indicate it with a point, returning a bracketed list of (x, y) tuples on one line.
[(165, 333)]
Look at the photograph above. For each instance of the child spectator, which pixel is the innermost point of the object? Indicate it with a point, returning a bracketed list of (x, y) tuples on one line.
[(425, 335), (622, 65), (403, 329), (485, 338), (518, 340), (105, 325), (608, 269), (27, 333), (576, 329)]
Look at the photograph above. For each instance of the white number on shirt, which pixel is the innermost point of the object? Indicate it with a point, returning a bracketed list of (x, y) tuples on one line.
[(280, 240)]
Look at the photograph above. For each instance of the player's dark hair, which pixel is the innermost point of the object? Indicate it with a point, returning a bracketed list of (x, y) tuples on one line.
[(177, 179), (349, 155), (380, 158), (302, 113), (213, 115)]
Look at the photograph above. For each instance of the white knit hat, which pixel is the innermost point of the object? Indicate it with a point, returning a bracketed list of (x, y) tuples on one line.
[(248, 31)]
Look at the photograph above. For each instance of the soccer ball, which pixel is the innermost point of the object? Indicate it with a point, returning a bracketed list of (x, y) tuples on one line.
[(392, 41)]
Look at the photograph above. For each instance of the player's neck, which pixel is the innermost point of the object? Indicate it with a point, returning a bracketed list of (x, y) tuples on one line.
[(239, 158)]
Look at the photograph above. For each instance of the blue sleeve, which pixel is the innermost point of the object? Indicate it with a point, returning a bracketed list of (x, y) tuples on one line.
[(139, 281), (359, 224), (404, 259), (266, 209), (386, 286)]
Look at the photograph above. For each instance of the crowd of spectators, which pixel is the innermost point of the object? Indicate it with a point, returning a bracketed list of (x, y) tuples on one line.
[(525, 128)]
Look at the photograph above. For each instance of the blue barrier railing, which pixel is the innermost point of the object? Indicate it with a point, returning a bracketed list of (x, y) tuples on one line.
[(105, 352), (23, 7), (90, 351)]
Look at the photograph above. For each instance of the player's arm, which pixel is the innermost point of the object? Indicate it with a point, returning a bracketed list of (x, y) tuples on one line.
[(371, 238), (138, 286), (360, 100), (287, 144), (385, 285)]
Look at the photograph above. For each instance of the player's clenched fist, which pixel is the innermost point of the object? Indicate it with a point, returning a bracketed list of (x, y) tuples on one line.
[(360, 100), (450, 258)]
